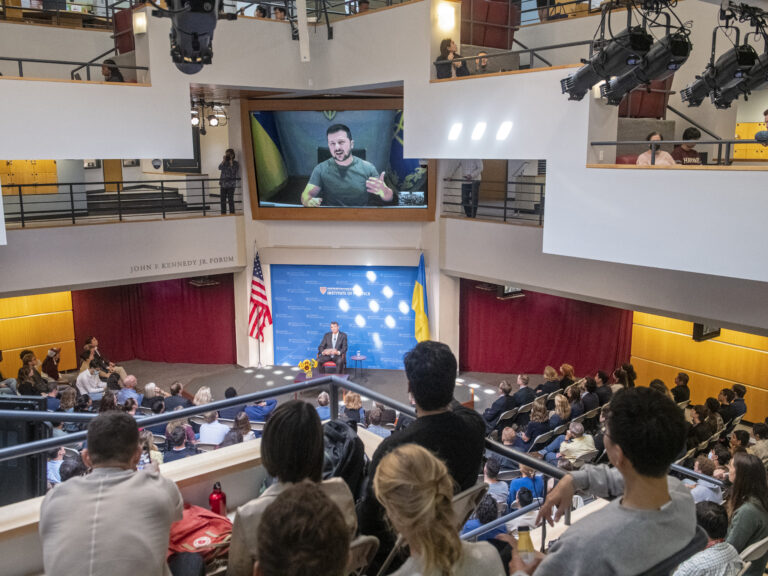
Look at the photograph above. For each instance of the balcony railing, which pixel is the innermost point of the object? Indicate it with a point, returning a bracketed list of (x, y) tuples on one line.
[(88, 202), (85, 13), (519, 200)]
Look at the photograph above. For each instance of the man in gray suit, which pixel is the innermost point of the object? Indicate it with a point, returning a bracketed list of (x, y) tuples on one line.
[(333, 348)]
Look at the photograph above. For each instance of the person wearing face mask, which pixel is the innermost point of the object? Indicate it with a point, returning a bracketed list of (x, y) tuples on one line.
[(88, 382), (661, 157)]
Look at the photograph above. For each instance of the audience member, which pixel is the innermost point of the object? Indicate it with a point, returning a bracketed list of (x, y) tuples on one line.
[(291, 451), (7, 385), (72, 468), (739, 441), (180, 449), (375, 427), (30, 381), (589, 397), (279, 13), (720, 456), (567, 378), (599, 435), (108, 402), (158, 408), (323, 406), (91, 352), (353, 408), (176, 398), (538, 425), (551, 382), (416, 490), (747, 507), (487, 511), (203, 396), (88, 382), (631, 374), (528, 520), (52, 401), (604, 391), (149, 450), (51, 364), (481, 63), (231, 412), (497, 489), (111, 72), (302, 532), (502, 404), (67, 400), (681, 392), (454, 434), (151, 393), (212, 431), (388, 415), (685, 153), (507, 439), (727, 410), (524, 395), (714, 419), (718, 558), (622, 381), (114, 520), (703, 490), (574, 398), (130, 407), (760, 447), (129, 390), (260, 411), (700, 430), (261, 12), (569, 447), (661, 157), (529, 480), (445, 67), (658, 386), (243, 425), (738, 403), (55, 460), (655, 516), (562, 412), (233, 436), (363, 6), (184, 423)]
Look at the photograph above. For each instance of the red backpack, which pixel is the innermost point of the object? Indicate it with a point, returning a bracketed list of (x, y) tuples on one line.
[(202, 532)]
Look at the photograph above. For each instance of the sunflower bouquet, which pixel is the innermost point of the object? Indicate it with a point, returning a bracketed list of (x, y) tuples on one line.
[(307, 366)]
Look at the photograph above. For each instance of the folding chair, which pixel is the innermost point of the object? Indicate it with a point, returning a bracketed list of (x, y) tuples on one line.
[(203, 447), (755, 551), (562, 429), (585, 459), (685, 456), (508, 415), (228, 422), (199, 420), (684, 404), (541, 441), (361, 553)]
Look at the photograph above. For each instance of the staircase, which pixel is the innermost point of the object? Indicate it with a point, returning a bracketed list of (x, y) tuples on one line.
[(138, 200)]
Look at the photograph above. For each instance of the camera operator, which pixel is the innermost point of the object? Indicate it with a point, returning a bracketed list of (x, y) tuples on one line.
[(230, 170)]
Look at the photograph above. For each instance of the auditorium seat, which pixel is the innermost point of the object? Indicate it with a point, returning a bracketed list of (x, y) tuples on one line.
[(626, 159), (489, 23)]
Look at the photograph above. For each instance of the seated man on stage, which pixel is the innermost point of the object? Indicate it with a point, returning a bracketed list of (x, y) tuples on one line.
[(333, 348)]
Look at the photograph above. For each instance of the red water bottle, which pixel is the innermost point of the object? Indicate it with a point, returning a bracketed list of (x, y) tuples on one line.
[(218, 500)]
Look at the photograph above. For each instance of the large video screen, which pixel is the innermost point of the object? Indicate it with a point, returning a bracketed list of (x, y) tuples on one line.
[(335, 159)]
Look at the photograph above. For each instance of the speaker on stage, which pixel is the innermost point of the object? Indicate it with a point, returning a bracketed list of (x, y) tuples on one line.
[(25, 477)]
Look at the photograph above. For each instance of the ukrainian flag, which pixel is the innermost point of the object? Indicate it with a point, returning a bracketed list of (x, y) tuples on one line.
[(271, 172), (419, 304)]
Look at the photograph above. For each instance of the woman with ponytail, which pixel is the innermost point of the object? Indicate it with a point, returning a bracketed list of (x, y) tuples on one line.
[(417, 493)]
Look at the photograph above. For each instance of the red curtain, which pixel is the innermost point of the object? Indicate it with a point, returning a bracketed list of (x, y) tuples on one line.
[(169, 321), (523, 335)]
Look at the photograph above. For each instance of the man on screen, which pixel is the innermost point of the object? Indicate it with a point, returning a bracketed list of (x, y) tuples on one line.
[(344, 179), (333, 348)]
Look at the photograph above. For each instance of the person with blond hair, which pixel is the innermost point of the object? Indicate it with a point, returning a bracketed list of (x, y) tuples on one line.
[(538, 425), (417, 493), (566, 371), (203, 396), (353, 408), (562, 412), (550, 384), (503, 403)]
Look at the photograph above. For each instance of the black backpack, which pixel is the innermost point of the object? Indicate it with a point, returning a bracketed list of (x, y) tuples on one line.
[(344, 455)]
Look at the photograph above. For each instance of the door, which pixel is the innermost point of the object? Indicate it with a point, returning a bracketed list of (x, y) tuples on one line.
[(113, 172)]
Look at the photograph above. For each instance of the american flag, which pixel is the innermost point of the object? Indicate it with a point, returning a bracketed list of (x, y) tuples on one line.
[(260, 316)]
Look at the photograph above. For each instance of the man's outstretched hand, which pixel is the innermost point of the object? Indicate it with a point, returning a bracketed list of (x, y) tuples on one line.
[(377, 187), (561, 498)]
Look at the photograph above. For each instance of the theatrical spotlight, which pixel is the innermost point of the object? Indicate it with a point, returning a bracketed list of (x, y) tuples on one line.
[(192, 26), (212, 120), (753, 79), (616, 56), (729, 70), (664, 58)]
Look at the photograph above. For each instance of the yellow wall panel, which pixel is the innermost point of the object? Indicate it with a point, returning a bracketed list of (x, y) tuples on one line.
[(41, 329), (11, 361), (662, 347), (39, 304)]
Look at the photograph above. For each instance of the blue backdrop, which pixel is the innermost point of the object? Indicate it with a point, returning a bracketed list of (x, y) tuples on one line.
[(372, 305)]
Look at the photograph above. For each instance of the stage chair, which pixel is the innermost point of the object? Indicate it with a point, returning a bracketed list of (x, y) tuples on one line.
[(361, 553)]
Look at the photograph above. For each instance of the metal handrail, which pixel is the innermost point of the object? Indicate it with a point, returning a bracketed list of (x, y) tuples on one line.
[(58, 12), (526, 51), (702, 128), (20, 61), (480, 530)]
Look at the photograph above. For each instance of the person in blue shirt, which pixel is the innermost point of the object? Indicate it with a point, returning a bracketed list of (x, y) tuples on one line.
[(529, 480), (323, 406), (260, 411), (740, 390), (487, 511), (129, 391), (231, 412), (55, 458)]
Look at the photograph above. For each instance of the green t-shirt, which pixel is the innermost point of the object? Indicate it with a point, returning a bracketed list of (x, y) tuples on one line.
[(343, 185)]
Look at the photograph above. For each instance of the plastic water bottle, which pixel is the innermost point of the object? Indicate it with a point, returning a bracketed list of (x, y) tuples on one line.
[(218, 500), (358, 353), (525, 545)]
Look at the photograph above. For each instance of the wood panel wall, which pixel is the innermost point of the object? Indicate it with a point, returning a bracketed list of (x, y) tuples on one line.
[(662, 347), (36, 323)]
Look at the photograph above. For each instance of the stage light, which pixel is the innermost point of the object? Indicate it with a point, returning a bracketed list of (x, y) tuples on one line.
[(455, 131), (212, 120), (139, 22), (504, 130), (754, 79), (195, 120), (616, 57), (663, 59), (478, 131), (729, 70)]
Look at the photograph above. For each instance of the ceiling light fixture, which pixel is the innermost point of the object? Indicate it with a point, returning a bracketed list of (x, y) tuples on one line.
[(478, 131), (504, 130), (213, 120), (455, 131)]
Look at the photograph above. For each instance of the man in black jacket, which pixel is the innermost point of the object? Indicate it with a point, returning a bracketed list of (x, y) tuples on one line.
[(502, 404), (453, 433), (603, 391), (681, 392), (333, 348)]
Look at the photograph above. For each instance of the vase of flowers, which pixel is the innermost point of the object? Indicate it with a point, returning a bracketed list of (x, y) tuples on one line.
[(307, 366)]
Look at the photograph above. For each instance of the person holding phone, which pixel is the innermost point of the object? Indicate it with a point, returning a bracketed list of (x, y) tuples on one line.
[(230, 168)]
